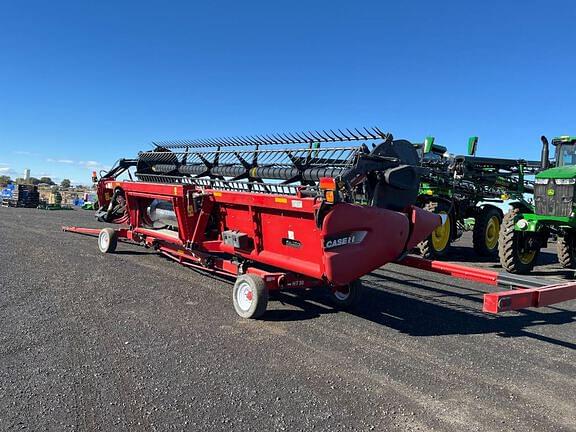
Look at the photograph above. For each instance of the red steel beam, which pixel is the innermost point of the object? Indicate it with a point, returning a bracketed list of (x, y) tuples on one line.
[(488, 277), (533, 297), (499, 301), (80, 230)]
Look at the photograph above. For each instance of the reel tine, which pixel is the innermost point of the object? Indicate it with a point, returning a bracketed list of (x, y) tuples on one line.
[(263, 140), (229, 141), (328, 137), (314, 138), (344, 135), (360, 133), (237, 141), (352, 133), (283, 139), (335, 135), (302, 140), (310, 139), (370, 133), (382, 134), (286, 138), (242, 141), (251, 140), (289, 138), (295, 140)]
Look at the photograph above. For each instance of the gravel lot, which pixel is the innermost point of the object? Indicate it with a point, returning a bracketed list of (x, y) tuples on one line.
[(133, 341)]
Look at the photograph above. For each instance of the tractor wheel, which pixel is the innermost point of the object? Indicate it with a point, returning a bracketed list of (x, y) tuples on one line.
[(486, 231), (345, 297), (107, 240), (514, 257), (566, 249), (437, 245), (250, 296)]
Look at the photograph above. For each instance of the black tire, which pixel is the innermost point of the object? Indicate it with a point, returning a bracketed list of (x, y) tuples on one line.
[(426, 247), (484, 226), (347, 296), (512, 259), (107, 240), (250, 296), (566, 249)]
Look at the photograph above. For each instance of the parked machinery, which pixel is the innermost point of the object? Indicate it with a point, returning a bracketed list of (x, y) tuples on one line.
[(469, 187), (21, 195), (277, 211), (527, 228)]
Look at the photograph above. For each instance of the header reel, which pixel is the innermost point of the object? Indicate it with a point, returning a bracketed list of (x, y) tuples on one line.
[(385, 175)]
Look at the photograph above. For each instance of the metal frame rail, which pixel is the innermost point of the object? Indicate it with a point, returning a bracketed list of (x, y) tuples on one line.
[(526, 291)]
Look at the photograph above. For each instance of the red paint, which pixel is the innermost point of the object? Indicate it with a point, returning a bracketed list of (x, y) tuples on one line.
[(458, 271), (524, 298), (283, 231)]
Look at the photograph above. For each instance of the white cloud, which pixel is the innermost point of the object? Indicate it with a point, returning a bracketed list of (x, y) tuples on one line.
[(92, 165), (62, 161), (7, 170)]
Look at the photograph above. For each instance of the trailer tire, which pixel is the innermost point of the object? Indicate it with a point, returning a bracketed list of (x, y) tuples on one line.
[(347, 296), (107, 240), (437, 245), (511, 258), (566, 249), (250, 296), (487, 231)]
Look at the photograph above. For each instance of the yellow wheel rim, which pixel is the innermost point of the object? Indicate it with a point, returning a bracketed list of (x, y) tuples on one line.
[(492, 232), (441, 235), (526, 257)]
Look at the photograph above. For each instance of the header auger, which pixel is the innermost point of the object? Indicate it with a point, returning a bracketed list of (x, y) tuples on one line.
[(298, 210)]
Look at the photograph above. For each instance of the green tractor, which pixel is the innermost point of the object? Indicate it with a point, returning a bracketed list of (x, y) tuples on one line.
[(526, 228), (468, 190)]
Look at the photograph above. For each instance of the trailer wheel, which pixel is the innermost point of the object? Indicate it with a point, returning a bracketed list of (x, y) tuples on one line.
[(486, 231), (437, 245), (514, 256), (566, 249), (107, 240), (250, 296), (345, 297)]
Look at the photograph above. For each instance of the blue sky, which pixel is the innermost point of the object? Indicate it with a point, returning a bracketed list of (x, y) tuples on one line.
[(83, 83)]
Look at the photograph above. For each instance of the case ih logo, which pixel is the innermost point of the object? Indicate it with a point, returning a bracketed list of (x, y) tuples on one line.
[(346, 239)]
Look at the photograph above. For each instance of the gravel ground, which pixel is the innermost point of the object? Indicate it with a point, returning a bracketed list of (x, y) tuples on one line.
[(133, 341)]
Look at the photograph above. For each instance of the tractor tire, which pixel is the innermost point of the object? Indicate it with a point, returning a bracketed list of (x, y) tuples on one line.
[(250, 296), (437, 245), (347, 296), (486, 231), (107, 240), (566, 249), (512, 259)]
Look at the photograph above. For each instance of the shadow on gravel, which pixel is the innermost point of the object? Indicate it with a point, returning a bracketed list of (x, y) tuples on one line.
[(131, 252), (428, 314), (310, 305), (421, 310)]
